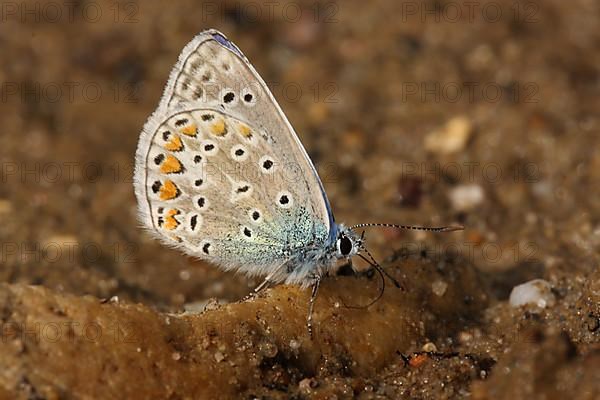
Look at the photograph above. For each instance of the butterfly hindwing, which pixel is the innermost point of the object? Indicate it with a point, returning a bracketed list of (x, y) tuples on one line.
[(213, 186)]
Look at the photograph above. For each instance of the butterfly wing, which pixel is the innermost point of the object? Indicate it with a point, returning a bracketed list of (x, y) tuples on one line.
[(220, 172), (210, 70)]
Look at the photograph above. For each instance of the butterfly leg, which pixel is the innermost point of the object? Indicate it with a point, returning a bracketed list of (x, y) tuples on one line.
[(311, 304), (264, 284)]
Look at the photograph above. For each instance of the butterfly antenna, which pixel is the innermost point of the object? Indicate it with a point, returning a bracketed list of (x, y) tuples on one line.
[(449, 228), (381, 290), (376, 265)]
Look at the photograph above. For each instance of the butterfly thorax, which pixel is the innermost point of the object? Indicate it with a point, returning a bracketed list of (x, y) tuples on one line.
[(318, 259)]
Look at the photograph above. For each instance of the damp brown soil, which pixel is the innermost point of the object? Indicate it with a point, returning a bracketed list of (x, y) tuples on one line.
[(491, 122)]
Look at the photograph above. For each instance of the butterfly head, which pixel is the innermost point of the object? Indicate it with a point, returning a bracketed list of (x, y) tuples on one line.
[(348, 243)]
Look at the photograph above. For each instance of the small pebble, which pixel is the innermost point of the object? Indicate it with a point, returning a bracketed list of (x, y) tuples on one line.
[(466, 197), (429, 347), (219, 356), (465, 337), (211, 304), (307, 384), (451, 138), (268, 349), (439, 288), (184, 275), (536, 292)]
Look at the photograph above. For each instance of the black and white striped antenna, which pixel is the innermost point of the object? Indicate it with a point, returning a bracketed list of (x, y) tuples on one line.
[(449, 228)]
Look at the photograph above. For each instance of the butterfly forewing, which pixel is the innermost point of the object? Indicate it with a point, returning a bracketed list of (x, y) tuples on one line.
[(220, 172), (211, 70)]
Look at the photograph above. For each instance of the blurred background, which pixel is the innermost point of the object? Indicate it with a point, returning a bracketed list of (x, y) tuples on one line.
[(483, 113)]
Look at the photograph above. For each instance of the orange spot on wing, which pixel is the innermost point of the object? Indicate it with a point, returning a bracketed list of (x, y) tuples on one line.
[(168, 191), (219, 128), (190, 130), (174, 144), (170, 220), (171, 165), (245, 130)]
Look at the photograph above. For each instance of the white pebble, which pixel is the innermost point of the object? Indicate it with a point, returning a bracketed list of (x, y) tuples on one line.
[(219, 356), (451, 138), (429, 347), (439, 288), (466, 197), (184, 275), (537, 292), (294, 344)]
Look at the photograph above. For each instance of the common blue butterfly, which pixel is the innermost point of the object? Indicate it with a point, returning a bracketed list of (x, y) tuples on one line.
[(221, 175)]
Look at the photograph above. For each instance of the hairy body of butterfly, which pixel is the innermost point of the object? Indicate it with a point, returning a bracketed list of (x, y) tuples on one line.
[(221, 175)]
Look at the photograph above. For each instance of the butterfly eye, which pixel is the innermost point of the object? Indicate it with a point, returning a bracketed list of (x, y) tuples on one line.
[(344, 245)]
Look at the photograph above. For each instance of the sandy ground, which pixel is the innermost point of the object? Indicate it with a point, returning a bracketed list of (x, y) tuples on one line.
[(482, 114)]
